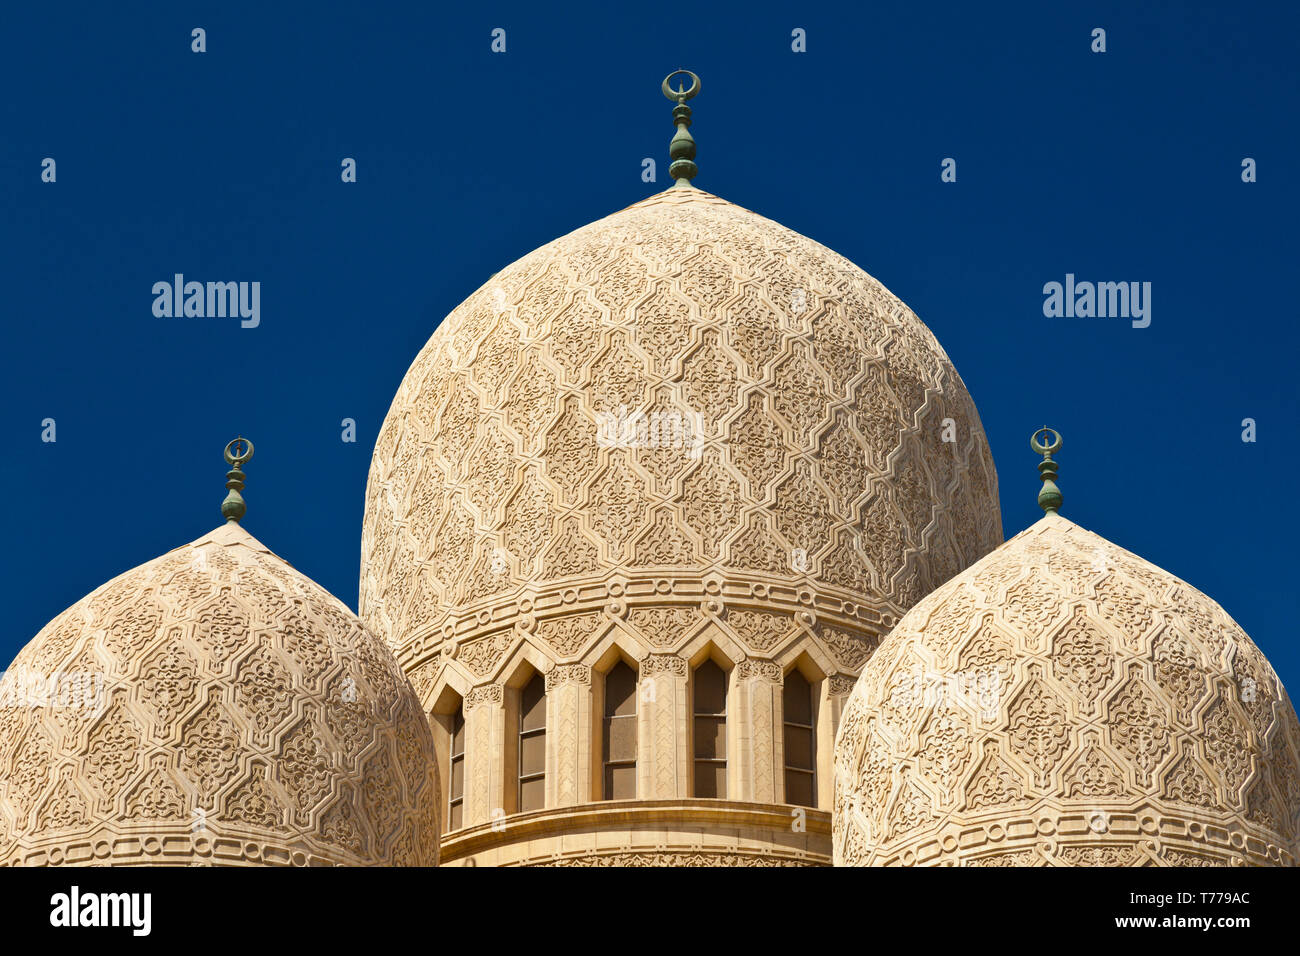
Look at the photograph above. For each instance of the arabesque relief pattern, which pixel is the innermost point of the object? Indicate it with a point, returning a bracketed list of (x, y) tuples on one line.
[(213, 707), (679, 414), (1064, 702)]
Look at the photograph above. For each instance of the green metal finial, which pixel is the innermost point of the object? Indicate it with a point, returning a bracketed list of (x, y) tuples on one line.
[(237, 452), (1049, 496), (682, 148)]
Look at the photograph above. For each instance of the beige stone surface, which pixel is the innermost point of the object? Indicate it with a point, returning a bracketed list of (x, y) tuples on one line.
[(649, 833), (791, 403), (682, 432), (1064, 702), (213, 707)]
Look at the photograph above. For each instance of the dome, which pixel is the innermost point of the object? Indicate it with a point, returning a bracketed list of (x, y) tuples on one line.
[(213, 707), (680, 400), (1065, 702)]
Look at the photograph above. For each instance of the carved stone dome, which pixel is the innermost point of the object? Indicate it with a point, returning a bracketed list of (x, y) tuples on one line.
[(1064, 701), (213, 706), (681, 401)]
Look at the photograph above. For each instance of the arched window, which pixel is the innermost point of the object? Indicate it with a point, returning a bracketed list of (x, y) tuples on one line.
[(800, 773), (710, 705), (456, 785), (620, 733), (532, 744)]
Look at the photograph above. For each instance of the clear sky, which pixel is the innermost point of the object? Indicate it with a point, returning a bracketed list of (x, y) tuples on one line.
[(225, 166)]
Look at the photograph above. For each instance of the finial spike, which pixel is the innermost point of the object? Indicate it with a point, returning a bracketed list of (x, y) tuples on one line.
[(237, 453), (682, 147), (1049, 496)]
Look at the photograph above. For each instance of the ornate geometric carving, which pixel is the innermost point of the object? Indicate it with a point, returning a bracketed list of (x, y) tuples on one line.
[(665, 625), (759, 670), (487, 694), (567, 674), (1096, 737), (568, 635), (655, 665), (760, 630), (681, 392), (841, 684), (483, 655), (995, 781), (754, 334), (1038, 733), (213, 721), (1139, 727)]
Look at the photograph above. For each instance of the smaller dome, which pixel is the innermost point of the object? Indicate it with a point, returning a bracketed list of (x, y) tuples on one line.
[(1065, 701), (213, 706)]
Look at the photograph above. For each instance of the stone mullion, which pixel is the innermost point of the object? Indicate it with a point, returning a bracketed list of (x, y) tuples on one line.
[(569, 743), (758, 689), (484, 747), (838, 690), (663, 731)]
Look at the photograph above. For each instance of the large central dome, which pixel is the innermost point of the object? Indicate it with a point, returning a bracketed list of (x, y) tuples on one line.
[(681, 391), (659, 466)]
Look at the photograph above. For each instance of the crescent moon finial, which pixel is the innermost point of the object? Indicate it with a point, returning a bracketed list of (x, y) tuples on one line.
[(1049, 496), (1040, 447), (682, 148), (237, 452), (681, 95)]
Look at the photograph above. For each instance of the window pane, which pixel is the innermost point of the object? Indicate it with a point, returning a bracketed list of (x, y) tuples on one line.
[(620, 782), (532, 754), (798, 748), (798, 699), (457, 788), (710, 689), (532, 704), (710, 779), (532, 794), (711, 737), (620, 691), (710, 730), (799, 788), (456, 816), (620, 738), (458, 732)]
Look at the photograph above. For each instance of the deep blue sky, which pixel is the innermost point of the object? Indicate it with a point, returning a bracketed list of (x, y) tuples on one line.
[(225, 166)]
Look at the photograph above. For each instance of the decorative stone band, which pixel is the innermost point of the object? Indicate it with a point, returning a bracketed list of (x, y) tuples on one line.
[(660, 858), (759, 670), (657, 628), (729, 601), (568, 674), (1104, 836), (176, 845), (485, 694), (660, 665), (673, 832)]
